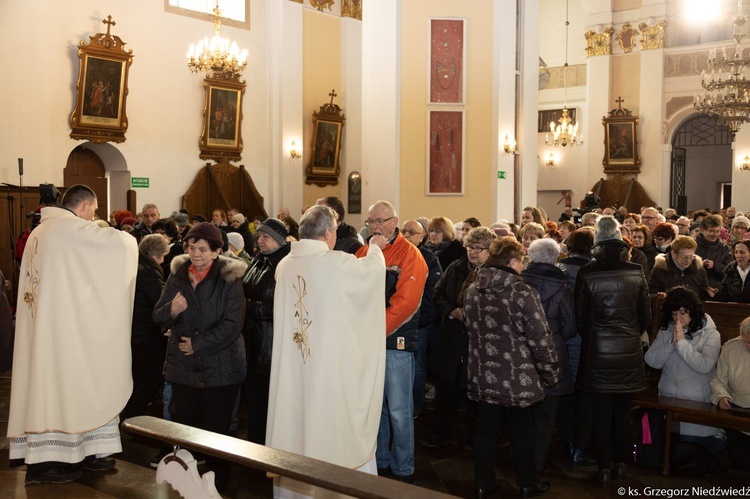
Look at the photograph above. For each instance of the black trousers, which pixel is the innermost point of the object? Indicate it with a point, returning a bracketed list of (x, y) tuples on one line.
[(209, 409), (574, 418), (256, 395), (148, 361), (738, 448), (449, 399), (612, 428), (545, 416), (522, 440)]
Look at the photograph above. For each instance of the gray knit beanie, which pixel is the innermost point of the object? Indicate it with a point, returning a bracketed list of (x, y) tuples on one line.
[(607, 228)]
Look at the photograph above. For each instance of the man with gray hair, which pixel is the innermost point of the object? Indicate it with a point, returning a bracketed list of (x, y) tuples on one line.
[(328, 355), (650, 217), (404, 283), (589, 219)]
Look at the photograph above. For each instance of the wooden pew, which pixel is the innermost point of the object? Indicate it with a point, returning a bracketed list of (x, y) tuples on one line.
[(727, 317), (301, 468)]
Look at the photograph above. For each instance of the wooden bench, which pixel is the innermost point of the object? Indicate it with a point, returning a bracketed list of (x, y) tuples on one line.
[(689, 411), (304, 469), (727, 317)]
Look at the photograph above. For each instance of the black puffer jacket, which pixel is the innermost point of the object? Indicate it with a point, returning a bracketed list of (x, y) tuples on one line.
[(612, 310), (718, 253), (732, 288), (259, 283), (449, 358), (346, 239), (148, 286), (559, 307), (650, 251), (213, 321)]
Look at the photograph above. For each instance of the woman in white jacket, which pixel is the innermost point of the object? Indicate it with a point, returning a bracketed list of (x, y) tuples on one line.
[(686, 350)]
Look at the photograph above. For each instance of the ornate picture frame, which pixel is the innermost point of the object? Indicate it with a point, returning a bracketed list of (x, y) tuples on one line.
[(222, 119), (100, 114), (324, 166), (446, 81), (621, 141), (445, 152)]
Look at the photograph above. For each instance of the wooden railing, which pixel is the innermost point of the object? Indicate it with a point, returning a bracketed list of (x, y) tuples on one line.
[(304, 469)]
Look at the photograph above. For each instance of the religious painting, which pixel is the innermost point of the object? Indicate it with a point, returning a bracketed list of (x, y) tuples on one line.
[(445, 152), (101, 90), (222, 119), (325, 161), (621, 141), (446, 65)]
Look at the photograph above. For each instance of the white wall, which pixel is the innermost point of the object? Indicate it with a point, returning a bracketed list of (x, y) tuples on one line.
[(164, 105)]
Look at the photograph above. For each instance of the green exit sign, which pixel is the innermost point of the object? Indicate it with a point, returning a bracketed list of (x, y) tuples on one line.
[(500, 174), (139, 182)]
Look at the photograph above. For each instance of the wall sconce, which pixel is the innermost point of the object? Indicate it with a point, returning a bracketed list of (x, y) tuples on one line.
[(293, 152), (550, 160), (745, 165), (509, 145)]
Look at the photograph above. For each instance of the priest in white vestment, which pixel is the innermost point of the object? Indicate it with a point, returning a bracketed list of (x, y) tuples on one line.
[(71, 365), (328, 360)]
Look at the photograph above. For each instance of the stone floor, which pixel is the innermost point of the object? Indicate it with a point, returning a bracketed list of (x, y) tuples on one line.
[(448, 469)]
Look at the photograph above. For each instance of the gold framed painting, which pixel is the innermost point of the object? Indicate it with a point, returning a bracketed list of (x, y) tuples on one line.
[(102, 89), (222, 119), (621, 141), (324, 166)]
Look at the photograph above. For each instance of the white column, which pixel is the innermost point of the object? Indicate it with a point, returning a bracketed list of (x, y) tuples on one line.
[(351, 155), (504, 105), (529, 90), (597, 97), (381, 101), (740, 178), (285, 105), (655, 174)]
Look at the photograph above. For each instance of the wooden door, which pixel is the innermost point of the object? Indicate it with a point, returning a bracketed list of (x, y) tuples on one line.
[(86, 167)]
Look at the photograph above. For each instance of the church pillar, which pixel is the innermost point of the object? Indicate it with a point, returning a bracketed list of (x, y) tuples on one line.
[(351, 103), (655, 173), (381, 101), (285, 106), (740, 178), (598, 99)]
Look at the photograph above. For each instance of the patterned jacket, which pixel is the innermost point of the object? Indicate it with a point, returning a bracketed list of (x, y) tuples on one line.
[(511, 353)]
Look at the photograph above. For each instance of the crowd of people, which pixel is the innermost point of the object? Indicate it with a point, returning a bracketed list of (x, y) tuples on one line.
[(528, 327)]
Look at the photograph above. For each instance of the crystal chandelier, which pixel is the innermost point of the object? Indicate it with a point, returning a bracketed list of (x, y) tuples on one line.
[(565, 132), (725, 87), (218, 57)]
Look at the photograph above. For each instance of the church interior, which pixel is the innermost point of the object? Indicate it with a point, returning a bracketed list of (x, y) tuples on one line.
[(439, 106)]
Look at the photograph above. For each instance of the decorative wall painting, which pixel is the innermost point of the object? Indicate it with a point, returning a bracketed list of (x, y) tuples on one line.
[(446, 145), (447, 55)]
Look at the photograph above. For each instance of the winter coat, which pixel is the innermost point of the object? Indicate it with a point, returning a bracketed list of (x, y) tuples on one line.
[(687, 367), (427, 313), (570, 266), (511, 351), (651, 252), (213, 321), (559, 307), (149, 284), (448, 359), (732, 288), (613, 308), (259, 283), (717, 252), (447, 254), (346, 239), (639, 257), (665, 275)]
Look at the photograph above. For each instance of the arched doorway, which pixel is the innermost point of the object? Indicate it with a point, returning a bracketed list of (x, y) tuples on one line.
[(701, 165), (103, 168)]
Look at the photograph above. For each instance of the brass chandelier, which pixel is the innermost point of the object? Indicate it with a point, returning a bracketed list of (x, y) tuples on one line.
[(218, 57), (725, 86), (565, 132)]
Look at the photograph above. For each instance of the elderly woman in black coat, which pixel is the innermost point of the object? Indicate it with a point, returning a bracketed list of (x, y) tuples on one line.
[(733, 287), (612, 310), (259, 283), (204, 305), (147, 344), (511, 358), (557, 301)]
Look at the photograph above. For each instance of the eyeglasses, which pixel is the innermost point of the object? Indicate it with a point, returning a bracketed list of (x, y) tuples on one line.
[(475, 249), (377, 221), (684, 257), (410, 232), (648, 218)]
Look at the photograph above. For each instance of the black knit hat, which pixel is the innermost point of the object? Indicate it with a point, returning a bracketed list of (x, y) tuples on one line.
[(275, 228), (208, 232)]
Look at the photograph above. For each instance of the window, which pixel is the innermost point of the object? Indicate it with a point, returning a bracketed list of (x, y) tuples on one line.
[(233, 12)]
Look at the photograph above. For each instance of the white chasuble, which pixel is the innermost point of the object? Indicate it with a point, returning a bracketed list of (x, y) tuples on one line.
[(71, 364), (328, 361)]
